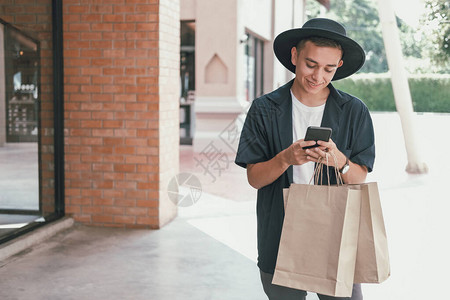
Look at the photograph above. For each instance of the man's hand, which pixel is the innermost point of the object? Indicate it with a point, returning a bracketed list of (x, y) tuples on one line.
[(264, 173), (327, 149), (356, 174), (295, 154)]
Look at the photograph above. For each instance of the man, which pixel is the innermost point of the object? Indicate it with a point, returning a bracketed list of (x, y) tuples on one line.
[(271, 144)]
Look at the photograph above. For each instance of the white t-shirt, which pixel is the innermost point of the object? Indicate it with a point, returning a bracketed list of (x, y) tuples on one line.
[(302, 117)]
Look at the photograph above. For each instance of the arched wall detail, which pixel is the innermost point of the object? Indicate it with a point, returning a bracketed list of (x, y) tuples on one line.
[(216, 71)]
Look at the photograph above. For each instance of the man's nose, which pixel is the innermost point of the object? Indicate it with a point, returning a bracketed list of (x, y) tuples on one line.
[(317, 74)]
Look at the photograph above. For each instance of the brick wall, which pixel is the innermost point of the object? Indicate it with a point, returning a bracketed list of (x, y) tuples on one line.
[(121, 61), (35, 19)]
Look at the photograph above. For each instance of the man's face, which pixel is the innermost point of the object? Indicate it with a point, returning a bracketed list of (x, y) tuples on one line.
[(315, 66)]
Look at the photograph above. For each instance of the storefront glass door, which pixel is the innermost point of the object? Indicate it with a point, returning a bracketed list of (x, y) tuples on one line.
[(28, 104)]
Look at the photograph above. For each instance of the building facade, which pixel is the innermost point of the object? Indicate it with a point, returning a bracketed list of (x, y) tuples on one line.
[(234, 61), (113, 86), (227, 56)]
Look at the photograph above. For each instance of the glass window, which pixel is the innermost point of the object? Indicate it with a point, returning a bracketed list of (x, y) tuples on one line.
[(254, 54), (187, 59), (27, 144)]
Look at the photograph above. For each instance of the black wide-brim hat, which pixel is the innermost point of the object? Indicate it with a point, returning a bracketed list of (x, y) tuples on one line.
[(353, 54)]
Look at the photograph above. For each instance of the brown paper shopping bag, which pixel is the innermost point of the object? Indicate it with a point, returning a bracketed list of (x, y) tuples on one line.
[(372, 259), (318, 243)]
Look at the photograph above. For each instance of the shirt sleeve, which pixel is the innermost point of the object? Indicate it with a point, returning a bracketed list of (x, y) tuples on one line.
[(253, 143), (363, 145)]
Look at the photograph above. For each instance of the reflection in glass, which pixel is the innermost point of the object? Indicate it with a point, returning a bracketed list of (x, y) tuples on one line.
[(19, 129)]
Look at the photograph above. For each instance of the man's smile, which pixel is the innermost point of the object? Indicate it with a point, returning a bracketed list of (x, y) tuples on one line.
[(314, 84)]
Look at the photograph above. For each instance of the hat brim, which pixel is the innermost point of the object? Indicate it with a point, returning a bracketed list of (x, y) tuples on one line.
[(353, 57)]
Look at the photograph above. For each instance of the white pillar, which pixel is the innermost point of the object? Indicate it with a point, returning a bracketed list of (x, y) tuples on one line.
[(400, 86)]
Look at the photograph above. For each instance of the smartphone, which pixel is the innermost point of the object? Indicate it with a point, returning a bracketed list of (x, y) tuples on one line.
[(314, 133)]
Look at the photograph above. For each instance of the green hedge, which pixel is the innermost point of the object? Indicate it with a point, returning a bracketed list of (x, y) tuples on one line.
[(429, 93)]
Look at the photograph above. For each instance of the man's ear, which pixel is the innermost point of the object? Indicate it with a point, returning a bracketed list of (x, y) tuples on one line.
[(341, 62), (294, 55)]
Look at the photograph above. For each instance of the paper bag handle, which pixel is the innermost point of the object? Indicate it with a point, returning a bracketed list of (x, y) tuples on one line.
[(318, 171)]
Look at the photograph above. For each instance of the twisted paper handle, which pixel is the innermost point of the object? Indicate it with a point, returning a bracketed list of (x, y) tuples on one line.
[(318, 171)]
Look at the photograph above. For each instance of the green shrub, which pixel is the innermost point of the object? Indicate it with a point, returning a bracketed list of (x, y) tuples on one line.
[(429, 93)]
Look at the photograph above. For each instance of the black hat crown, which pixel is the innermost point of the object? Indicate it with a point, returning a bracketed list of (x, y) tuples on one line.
[(325, 24)]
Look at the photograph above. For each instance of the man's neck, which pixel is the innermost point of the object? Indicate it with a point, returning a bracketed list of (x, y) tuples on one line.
[(311, 100)]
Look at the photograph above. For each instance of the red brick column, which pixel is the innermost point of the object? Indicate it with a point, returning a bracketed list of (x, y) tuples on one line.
[(121, 64)]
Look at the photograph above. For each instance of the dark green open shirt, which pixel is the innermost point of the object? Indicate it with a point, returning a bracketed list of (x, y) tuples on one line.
[(268, 130)]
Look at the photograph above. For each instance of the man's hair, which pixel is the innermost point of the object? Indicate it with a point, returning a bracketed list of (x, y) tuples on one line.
[(320, 42)]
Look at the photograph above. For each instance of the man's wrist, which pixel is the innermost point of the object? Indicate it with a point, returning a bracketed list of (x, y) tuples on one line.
[(283, 159), (342, 161), (345, 166)]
